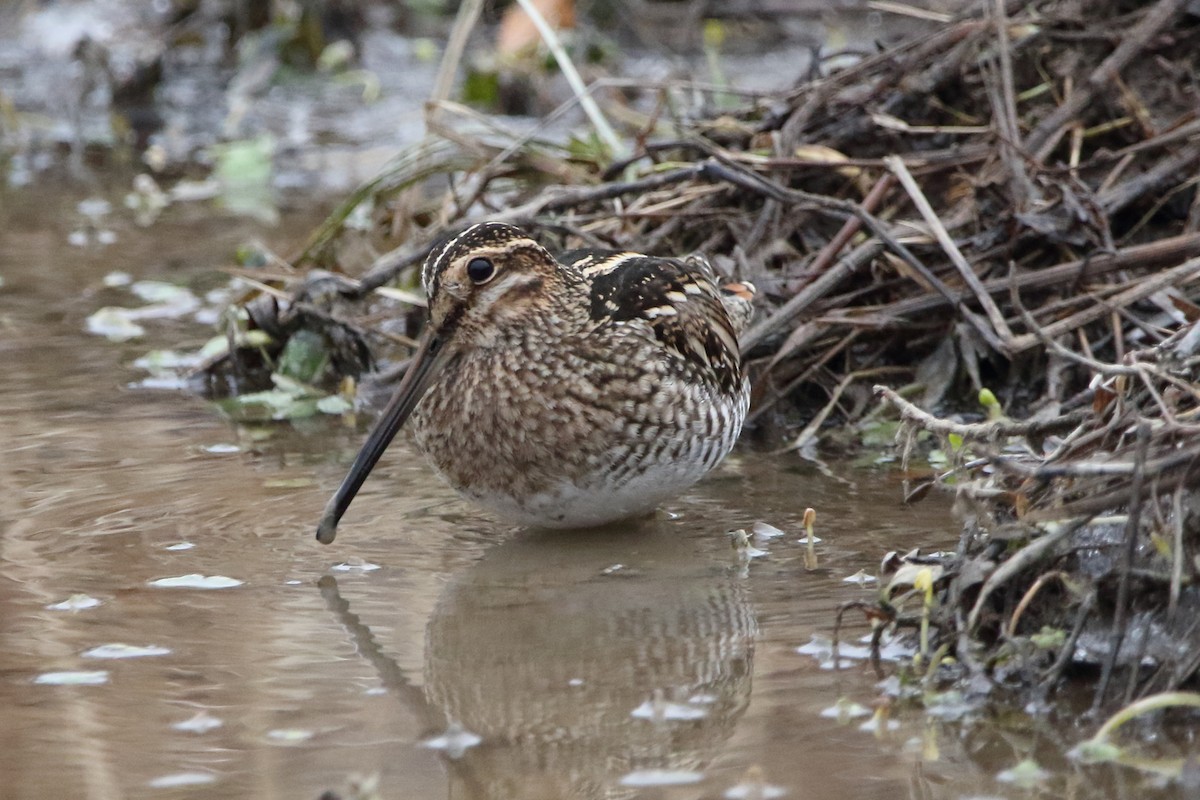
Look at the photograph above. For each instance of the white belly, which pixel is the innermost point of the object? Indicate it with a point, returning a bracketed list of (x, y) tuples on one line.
[(595, 503)]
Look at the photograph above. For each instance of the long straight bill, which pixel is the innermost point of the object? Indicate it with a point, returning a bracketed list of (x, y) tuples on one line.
[(426, 363)]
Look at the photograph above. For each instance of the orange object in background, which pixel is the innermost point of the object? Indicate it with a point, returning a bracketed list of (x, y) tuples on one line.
[(517, 32)]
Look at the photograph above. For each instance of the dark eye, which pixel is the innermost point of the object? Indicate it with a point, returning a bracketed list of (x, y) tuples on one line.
[(480, 270)]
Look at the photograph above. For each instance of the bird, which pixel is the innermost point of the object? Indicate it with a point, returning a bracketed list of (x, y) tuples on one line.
[(566, 392)]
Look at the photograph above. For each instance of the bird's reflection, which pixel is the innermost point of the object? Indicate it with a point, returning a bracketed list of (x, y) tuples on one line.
[(579, 659)]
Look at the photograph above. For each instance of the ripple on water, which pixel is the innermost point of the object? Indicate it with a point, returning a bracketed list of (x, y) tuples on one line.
[(179, 780), (76, 602), (201, 722), (197, 581), (94, 677), (126, 651), (661, 777)]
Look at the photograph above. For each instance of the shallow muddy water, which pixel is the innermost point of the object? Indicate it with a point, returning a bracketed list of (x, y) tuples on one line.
[(443, 653)]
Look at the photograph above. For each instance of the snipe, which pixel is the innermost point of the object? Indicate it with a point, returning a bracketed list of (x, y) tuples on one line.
[(567, 392)]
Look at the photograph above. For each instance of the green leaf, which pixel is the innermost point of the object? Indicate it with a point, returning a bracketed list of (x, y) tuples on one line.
[(481, 88), (114, 324), (714, 34), (162, 292), (214, 348), (1095, 752), (879, 433), (1049, 638), (988, 400), (274, 404), (588, 148), (304, 357), (1028, 774), (251, 255), (244, 169), (334, 404)]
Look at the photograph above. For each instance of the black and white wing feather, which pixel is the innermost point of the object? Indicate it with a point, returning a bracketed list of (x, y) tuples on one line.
[(679, 301)]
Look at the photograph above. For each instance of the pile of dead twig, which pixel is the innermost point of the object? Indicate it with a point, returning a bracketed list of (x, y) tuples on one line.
[(1083, 530)]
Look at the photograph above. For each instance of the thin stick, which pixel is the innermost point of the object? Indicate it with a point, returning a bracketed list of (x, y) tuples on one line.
[(723, 168), (1031, 593), (823, 359), (1054, 347), (615, 146), (1066, 654), (896, 165), (1041, 139), (464, 23), (1156, 466), (1176, 554), (810, 430), (571, 198), (1140, 289), (1132, 526), (828, 278), (1164, 171), (985, 431), (1010, 134), (1154, 702), (1028, 555), (1143, 255)]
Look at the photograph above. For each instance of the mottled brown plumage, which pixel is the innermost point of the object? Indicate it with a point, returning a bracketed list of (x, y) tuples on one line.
[(567, 392)]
